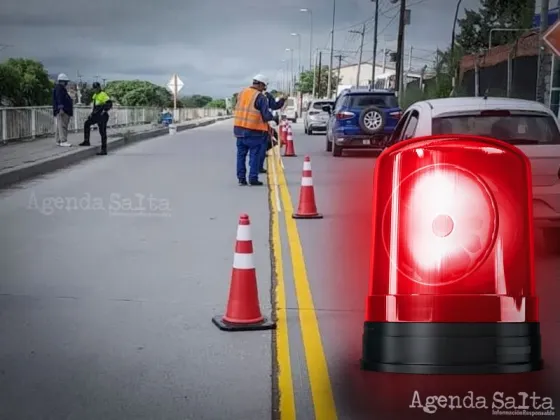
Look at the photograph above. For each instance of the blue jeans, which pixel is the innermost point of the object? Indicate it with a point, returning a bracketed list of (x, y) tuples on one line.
[(262, 155), (251, 146)]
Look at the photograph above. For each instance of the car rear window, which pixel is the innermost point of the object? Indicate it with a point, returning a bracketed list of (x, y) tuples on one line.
[(317, 107), (381, 101), (290, 102), (515, 129)]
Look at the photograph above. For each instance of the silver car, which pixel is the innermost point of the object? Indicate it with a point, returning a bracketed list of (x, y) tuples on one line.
[(315, 117)]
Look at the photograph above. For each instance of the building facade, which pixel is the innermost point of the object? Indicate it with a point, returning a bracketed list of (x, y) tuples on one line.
[(384, 76)]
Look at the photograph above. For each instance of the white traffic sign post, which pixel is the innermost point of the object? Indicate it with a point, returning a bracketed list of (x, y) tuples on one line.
[(175, 85)]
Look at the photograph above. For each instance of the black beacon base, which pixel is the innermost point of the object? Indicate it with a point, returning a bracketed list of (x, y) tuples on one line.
[(451, 348)]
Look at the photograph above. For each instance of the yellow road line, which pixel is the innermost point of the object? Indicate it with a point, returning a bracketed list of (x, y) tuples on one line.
[(287, 404), (319, 380)]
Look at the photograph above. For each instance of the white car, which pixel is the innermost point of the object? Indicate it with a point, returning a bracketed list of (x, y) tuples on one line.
[(528, 125), (290, 110)]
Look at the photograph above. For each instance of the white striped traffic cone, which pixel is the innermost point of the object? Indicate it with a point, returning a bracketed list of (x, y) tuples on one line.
[(243, 311), (307, 208), (289, 151)]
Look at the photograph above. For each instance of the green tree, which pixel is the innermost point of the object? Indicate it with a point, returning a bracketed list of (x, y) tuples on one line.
[(24, 82), (196, 101), (217, 103), (138, 93), (474, 28), (305, 84)]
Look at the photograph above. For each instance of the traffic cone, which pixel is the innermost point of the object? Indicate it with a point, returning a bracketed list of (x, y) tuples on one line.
[(283, 133), (289, 151), (243, 311), (307, 209)]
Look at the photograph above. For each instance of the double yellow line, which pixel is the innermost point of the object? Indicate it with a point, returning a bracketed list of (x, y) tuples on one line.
[(319, 380)]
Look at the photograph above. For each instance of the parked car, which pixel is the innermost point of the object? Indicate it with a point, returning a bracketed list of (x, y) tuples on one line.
[(315, 116), (361, 119), (530, 126), (290, 110)]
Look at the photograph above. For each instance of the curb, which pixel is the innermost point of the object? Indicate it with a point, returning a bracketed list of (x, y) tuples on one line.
[(25, 172)]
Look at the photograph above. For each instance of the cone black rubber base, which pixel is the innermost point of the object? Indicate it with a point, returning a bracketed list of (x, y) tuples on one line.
[(305, 216), (266, 324), (451, 348), (289, 156)]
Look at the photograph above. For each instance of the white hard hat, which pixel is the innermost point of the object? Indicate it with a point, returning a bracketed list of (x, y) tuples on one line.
[(261, 78), (63, 78)]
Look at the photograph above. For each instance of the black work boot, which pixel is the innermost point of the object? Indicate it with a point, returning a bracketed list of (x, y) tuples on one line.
[(256, 183), (85, 143), (103, 152), (242, 182)]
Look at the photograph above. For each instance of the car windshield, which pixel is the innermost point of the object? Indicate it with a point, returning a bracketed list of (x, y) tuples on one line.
[(514, 129), (381, 101), (290, 102)]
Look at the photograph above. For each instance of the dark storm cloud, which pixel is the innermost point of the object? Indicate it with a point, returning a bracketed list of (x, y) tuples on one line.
[(216, 46)]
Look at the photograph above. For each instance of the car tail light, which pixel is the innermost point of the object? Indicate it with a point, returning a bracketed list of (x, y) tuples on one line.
[(397, 115), (344, 115), (452, 286)]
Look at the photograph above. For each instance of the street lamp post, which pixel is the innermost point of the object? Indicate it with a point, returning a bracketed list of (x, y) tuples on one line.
[(291, 50), (310, 36), (329, 83), (299, 51)]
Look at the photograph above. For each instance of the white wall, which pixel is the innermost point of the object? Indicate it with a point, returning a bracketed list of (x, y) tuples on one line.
[(350, 73)]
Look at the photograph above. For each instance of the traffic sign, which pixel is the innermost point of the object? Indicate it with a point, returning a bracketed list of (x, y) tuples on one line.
[(552, 38), (175, 84)]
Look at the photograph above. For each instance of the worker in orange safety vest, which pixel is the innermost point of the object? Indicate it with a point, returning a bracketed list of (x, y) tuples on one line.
[(250, 127)]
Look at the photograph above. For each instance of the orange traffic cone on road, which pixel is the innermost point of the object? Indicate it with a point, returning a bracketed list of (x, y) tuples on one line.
[(289, 151), (243, 311), (307, 208)]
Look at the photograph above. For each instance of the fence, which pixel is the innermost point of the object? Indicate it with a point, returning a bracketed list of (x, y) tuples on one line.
[(505, 70), (31, 122)]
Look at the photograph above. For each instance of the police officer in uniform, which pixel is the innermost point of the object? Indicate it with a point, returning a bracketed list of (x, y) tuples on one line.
[(250, 127), (100, 116)]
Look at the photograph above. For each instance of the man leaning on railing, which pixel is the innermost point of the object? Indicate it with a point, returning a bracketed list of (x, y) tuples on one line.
[(63, 109)]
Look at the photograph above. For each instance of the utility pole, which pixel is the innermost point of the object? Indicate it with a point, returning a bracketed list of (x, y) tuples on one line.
[(315, 72), (319, 76), (544, 56), (340, 57), (362, 34), (373, 62), (329, 83), (400, 48)]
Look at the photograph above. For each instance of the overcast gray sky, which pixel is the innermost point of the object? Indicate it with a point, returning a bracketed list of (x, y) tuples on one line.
[(215, 46)]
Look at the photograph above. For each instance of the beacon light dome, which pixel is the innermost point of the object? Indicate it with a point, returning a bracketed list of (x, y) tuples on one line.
[(452, 277)]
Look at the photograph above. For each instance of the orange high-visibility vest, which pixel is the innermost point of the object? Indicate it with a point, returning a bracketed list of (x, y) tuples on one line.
[(245, 114)]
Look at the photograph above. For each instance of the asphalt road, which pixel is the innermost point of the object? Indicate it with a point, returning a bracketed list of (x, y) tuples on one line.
[(334, 267), (106, 300)]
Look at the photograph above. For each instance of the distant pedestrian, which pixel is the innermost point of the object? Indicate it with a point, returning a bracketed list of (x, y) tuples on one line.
[(102, 104), (250, 127), (63, 110)]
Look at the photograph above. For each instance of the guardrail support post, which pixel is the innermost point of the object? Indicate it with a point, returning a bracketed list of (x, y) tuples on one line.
[(33, 123), (4, 125)]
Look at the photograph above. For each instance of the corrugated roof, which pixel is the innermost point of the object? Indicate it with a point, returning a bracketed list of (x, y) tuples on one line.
[(526, 46)]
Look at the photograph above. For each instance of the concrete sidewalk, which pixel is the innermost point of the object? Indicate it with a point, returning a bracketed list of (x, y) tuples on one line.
[(107, 306), (26, 159)]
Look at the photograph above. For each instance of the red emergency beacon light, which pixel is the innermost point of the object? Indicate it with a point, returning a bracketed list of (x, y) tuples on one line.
[(452, 287)]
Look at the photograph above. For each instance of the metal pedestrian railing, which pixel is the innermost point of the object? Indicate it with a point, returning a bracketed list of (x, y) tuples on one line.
[(21, 123)]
